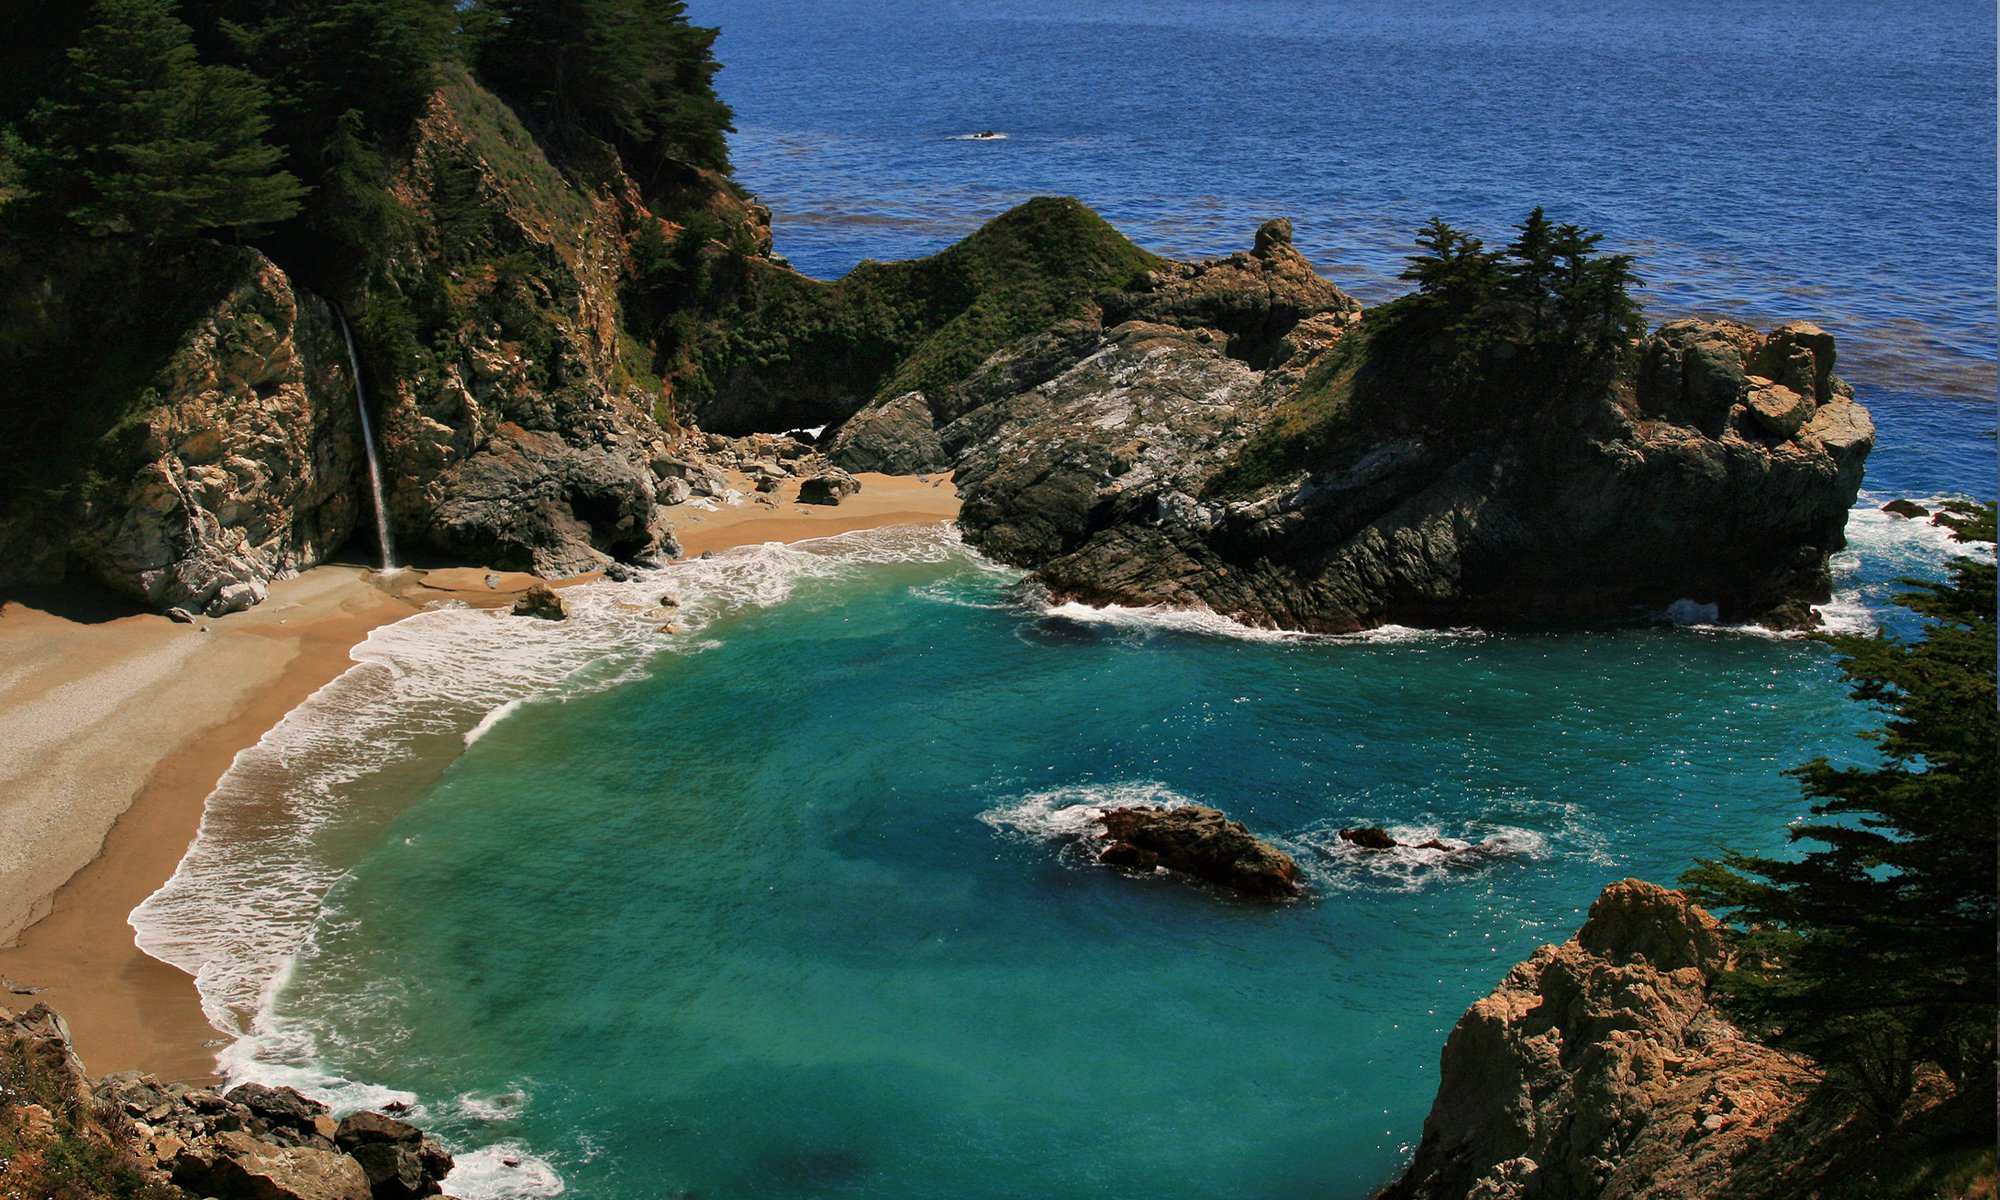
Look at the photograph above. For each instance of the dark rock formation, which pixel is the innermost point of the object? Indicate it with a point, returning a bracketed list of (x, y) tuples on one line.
[(541, 601), (896, 437), (1369, 837), (829, 487), (1908, 509), (1198, 841), (400, 1161), (1372, 837), (1599, 1070), (1119, 460), (532, 501)]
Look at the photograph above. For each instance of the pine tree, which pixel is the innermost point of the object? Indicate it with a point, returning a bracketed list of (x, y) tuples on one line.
[(1531, 270), (1875, 949), (144, 140), (634, 73)]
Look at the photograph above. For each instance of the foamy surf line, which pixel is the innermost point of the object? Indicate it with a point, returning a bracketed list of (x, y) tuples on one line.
[(251, 891), (1206, 622)]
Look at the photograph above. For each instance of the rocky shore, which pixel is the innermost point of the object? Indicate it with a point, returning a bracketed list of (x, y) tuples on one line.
[(131, 1134)]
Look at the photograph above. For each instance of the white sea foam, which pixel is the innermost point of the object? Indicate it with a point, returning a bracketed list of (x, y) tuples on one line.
[(1336, 864), (249, 894), (503, 1171), (491, 1107), (1067, 814), (494, 718)]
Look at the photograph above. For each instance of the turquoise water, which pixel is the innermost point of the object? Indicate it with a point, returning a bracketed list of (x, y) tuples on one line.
[(783, 906)]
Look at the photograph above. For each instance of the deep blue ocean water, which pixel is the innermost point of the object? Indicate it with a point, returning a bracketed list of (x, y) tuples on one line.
[(781, 906)]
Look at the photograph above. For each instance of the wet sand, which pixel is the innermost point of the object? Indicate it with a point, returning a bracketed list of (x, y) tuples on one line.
[(119, 729)]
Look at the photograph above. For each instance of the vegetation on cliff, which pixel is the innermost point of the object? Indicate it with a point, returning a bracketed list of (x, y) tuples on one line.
[(736, 331), (134, 133), (1873, 950), (1489, 337)]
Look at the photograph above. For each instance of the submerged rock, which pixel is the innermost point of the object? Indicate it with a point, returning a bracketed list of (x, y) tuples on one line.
[(1199, 841), (1372, 837), (541, 601)]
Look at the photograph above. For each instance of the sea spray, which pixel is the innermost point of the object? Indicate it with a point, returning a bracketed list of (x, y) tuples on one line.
[(384, 544)]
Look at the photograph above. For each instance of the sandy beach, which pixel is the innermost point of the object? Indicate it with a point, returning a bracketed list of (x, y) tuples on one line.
[(121, 723)]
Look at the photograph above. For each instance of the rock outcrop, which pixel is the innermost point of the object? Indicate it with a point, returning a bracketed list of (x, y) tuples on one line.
[(1201, 842), (244, 469), (132, 1135), (1123, 460), (526, 445), (1600, 1070)]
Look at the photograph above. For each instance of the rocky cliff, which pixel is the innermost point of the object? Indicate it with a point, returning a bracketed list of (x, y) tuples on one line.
[(519, 429), (1600, 1068), (236, 464), (1227, 435), (1603, 1069)]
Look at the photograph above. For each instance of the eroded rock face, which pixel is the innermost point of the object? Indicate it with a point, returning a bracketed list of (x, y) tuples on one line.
[(1599, 1070), (527, 446), (1199, 841), (246, 468), (1720, 471)]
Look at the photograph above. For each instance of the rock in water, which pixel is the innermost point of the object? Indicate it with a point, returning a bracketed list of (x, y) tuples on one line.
[(402, 1164), (1198, 841), (1369, 838), (1599, 1069), (831, 487), (541, 601), (1909, 509)]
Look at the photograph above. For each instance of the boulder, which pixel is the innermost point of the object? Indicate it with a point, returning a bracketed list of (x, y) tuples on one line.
[(1909, 509), (233, 1165), (280, 1107), (541, 601), (1199, 841), (1781, 411), (401, 1163), (235, 597), (829, 487)]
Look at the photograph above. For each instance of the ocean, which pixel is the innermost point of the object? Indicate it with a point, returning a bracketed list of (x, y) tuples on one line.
[(784, 905)]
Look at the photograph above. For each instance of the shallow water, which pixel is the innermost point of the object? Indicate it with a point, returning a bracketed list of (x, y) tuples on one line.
[(782, 906)]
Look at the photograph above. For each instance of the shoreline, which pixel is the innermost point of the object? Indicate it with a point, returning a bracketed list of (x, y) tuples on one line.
[(124, 726)]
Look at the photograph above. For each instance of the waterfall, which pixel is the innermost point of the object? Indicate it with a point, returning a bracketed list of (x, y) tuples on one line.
[(382, 541)]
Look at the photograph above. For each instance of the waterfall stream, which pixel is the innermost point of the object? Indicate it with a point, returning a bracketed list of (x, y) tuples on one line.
[(382, 539)]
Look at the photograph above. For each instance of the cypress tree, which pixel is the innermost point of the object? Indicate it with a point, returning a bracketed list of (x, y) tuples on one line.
[(1875, 949), (144, 140)]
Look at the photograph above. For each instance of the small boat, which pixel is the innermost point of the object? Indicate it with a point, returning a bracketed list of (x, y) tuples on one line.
[(988, 136)]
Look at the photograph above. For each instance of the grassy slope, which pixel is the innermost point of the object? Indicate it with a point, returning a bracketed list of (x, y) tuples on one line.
[(889, 328)]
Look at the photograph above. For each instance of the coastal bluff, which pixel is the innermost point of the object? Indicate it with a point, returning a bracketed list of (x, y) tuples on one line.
[(1238, 435)]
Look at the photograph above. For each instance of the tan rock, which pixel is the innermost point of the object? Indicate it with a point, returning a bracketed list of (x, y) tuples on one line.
[(1599, 1069)]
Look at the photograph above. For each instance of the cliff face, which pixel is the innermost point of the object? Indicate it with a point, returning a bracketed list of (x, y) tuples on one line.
[(1205, 442), (519, 436), (239, 464), (1599, 1068)]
